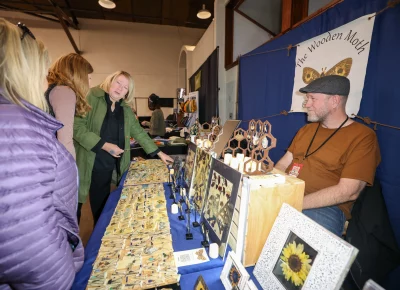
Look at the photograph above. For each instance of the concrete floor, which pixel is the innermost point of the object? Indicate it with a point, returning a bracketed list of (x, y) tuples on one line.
[(86, 223)]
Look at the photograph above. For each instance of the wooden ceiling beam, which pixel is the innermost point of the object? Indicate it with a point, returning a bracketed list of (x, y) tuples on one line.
[(43, 17), (40, 7), (133, 11), (299, 10), (9, 8), (286, 15), (65, 27), (26, 2), (162, 12), (74, 19), (63, 15), (68, 33), (32, 4), (68, 12)]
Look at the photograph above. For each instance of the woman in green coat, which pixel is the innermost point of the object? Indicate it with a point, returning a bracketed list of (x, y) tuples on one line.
[(103, 135)]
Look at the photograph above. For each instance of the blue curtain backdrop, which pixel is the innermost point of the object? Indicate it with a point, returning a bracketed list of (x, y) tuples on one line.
[(266, 84)]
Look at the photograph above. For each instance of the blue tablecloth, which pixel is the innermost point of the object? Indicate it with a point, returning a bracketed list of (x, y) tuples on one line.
[(179, 242), (210, 271), (94, 243)]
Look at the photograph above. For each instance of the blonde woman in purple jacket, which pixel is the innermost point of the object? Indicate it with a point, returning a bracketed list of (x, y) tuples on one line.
[(39, 243)]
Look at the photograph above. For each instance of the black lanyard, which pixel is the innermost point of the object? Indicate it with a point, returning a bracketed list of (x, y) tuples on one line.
[(323, 143)]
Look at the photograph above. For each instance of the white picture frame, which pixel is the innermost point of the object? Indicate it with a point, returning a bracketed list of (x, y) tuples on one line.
[(234, 273), (322, 258), (250, 285)]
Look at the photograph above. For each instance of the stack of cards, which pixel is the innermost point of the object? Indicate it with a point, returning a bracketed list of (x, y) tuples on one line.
[(136, 250)]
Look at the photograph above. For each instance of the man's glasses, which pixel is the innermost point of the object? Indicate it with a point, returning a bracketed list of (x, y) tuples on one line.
[(25, 31)]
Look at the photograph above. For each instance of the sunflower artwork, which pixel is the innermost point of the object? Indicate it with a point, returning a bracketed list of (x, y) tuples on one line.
[(294, 263)]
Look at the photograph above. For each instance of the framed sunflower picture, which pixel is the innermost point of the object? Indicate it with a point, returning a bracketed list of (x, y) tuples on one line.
[(294, 263), (234, 275), (301, 254)]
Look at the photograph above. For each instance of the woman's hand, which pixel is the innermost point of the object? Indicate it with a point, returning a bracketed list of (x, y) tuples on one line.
[(165, 158), (113, 149), (144, 123)]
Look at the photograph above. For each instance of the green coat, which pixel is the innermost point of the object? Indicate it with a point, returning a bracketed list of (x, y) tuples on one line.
[(87, 135)]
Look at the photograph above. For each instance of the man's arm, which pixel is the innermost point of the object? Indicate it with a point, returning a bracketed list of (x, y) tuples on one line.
[(346, 190), (285, 161)]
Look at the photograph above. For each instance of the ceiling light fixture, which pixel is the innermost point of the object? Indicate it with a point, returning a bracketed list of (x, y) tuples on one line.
[(107, 4), (204, 13)]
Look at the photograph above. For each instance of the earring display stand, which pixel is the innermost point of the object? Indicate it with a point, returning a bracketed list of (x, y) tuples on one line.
[(181, 200), (181, 217), (256, 142), (206, 241), (173, 191), (189, 235), (188, 205), (208, 134), (171, 184), (195, 223), (171, 173)]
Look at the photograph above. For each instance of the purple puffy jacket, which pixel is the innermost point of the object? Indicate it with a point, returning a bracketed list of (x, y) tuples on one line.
[(38, 202)]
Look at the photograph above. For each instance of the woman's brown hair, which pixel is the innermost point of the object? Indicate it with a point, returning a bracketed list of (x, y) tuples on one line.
[(72, 70)]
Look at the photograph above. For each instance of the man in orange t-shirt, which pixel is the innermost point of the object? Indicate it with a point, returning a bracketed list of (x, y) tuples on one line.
[(335, 156)]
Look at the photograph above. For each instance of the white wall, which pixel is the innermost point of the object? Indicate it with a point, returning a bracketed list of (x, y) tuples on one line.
[(219, 19), (246, 36), (204, 48), (231, 91), (314, 5), (148, 52), (266, 12)]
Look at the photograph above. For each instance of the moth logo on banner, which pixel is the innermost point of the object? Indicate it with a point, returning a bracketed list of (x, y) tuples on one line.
[(343, 51)]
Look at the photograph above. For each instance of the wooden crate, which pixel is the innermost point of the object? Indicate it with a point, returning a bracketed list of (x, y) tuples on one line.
[(256, 211)]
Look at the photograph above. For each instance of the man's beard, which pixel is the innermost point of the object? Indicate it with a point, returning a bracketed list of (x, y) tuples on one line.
[(318, 116)]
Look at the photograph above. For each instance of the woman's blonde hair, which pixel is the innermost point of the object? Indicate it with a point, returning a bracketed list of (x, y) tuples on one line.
[(72, 70), (106, 84), (23, 66)]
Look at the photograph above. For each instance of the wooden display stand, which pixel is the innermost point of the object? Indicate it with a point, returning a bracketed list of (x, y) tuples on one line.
[(256, 211)]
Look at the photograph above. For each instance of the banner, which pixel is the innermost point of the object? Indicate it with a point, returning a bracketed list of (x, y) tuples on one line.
[(342, 51)]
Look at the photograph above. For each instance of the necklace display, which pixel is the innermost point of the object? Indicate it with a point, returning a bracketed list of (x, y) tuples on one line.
[(323, 143), (136, 250), (147, 172)]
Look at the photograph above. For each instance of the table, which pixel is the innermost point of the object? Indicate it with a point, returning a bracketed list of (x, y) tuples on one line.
[(210, 271), (138, 151)]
